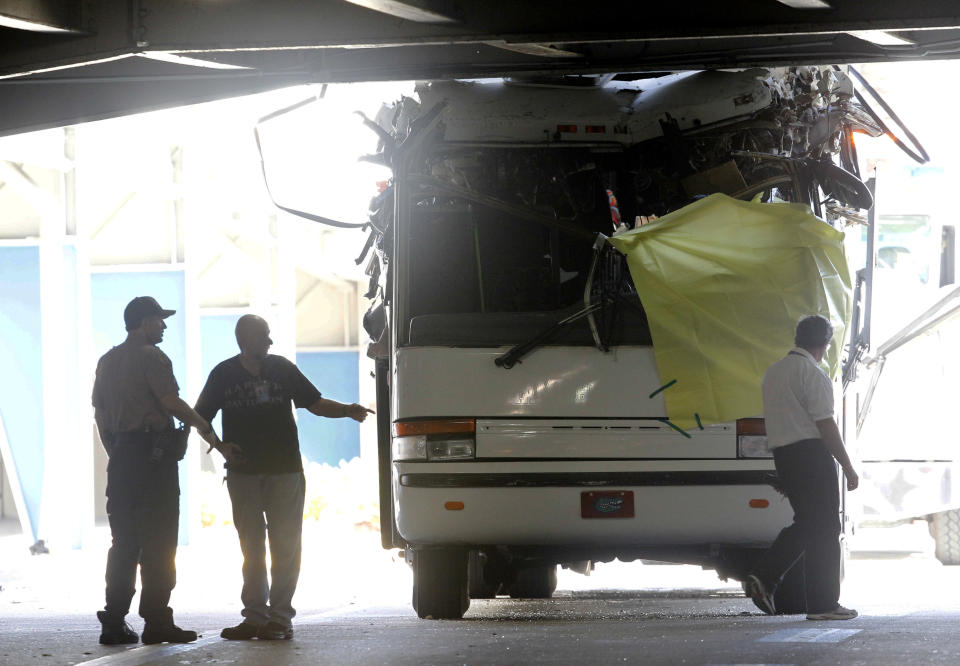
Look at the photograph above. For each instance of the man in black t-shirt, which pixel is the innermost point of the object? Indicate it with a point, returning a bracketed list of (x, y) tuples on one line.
[(254, 391)]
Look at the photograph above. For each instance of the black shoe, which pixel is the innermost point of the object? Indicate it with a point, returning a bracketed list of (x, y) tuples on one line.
[(274, 631), (242, 632), (754, 588), (114, 633), (170, 633)]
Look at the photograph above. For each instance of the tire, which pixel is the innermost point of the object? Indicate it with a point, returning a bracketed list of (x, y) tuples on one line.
[(481, 586), (440, 583), (945, 530), (539, 582)]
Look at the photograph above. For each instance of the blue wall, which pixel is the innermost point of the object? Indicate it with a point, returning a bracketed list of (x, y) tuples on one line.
[(21, 391), (110, 293), (336, 374)]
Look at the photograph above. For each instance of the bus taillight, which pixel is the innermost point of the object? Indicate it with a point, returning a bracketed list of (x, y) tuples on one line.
[(752, 439), (435, 440)]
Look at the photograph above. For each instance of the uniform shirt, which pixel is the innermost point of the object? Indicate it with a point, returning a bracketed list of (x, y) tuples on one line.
[(257, 412), (131, 378), (796, 394)]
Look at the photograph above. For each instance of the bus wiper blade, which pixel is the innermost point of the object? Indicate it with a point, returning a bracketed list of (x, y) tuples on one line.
[(512, 357)]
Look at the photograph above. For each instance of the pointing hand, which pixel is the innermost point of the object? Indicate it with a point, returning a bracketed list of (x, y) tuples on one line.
[(358, 412)]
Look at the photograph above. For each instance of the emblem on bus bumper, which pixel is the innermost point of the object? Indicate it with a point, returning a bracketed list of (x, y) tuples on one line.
[(606, 504)]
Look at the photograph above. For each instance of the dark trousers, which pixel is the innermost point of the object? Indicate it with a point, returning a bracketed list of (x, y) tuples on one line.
[(143, 505), (808, 475), (268, 505)]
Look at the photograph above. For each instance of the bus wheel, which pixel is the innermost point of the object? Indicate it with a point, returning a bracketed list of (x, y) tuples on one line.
[(945, 530), (440, 583), (483, 585), (537, 582)]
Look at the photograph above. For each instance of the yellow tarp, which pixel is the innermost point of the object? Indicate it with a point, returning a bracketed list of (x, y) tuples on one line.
[(724, 283)]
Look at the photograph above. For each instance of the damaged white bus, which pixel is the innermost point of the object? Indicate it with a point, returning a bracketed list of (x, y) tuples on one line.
[(525, 418)]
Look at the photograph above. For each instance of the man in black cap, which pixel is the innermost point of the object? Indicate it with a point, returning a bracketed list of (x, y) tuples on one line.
[(135, 396)]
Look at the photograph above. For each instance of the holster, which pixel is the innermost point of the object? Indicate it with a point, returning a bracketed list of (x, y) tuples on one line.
[(170, 444)]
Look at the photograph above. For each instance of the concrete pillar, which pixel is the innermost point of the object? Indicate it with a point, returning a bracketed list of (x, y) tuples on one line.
[(66, 506), (182, 242)]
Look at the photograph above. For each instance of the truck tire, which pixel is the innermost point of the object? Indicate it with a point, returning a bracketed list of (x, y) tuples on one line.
[(945, 530), (440, 583), (481, 585), (539, 582)]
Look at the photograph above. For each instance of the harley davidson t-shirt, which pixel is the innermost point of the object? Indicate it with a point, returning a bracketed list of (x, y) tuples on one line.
[(257, 412)]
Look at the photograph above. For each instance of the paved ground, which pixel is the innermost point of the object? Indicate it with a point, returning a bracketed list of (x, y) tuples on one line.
[(623, 614)]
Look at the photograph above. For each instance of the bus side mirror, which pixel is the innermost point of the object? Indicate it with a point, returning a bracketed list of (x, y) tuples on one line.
[(948, 255)]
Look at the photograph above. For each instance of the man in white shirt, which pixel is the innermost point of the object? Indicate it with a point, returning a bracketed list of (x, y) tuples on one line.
[(805, 440)]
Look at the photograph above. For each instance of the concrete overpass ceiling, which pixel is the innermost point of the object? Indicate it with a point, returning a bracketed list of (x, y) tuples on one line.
[(68, 62)]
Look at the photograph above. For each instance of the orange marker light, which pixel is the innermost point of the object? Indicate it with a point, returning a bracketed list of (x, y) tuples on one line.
[(444, 427), (759, 503), (751, 427), (453, 506), (566, 129)]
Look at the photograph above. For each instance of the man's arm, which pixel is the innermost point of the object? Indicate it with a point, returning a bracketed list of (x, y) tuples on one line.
[(177, 407), (207, 408), (338, 410), (830, 434), (106, 437)]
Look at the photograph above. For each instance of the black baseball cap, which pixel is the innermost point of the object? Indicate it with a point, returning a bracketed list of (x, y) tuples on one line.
[(140, 307)]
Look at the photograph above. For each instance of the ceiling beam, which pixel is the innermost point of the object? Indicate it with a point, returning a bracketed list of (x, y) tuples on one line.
[(127, 26), (39, 16), (418, 11)]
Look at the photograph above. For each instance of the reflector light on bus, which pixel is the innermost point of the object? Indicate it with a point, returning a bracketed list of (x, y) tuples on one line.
[(453, 506), (439, 427), (759, 503), (567, 129), (751, 427), (595, 129)]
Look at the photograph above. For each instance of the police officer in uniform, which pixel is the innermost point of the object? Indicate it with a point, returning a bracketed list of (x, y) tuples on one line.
[(135, 396)]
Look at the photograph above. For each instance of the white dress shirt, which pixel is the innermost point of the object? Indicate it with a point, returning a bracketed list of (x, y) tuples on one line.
[(796, 394)]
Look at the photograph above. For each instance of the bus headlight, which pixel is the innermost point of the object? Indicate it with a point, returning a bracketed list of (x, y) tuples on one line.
[(450, 449), (753, 446), (410, 448)]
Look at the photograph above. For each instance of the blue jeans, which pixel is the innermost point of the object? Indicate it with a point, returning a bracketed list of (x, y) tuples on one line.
[(268, 505)]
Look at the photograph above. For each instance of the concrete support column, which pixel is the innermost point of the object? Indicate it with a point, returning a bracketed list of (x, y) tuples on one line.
[(67, 458), (79, 225), (182, 246)]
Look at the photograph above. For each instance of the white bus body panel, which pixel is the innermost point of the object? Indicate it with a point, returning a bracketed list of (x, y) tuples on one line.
[(629, 112), (551, 382), (601, 438), (569, 411), (544, 516)]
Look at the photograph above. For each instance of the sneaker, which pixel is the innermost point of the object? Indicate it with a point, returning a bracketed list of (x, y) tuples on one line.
[(754, 588), (274, 631), (113, 633), (242, 632), (170, 633), (838, 613)]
